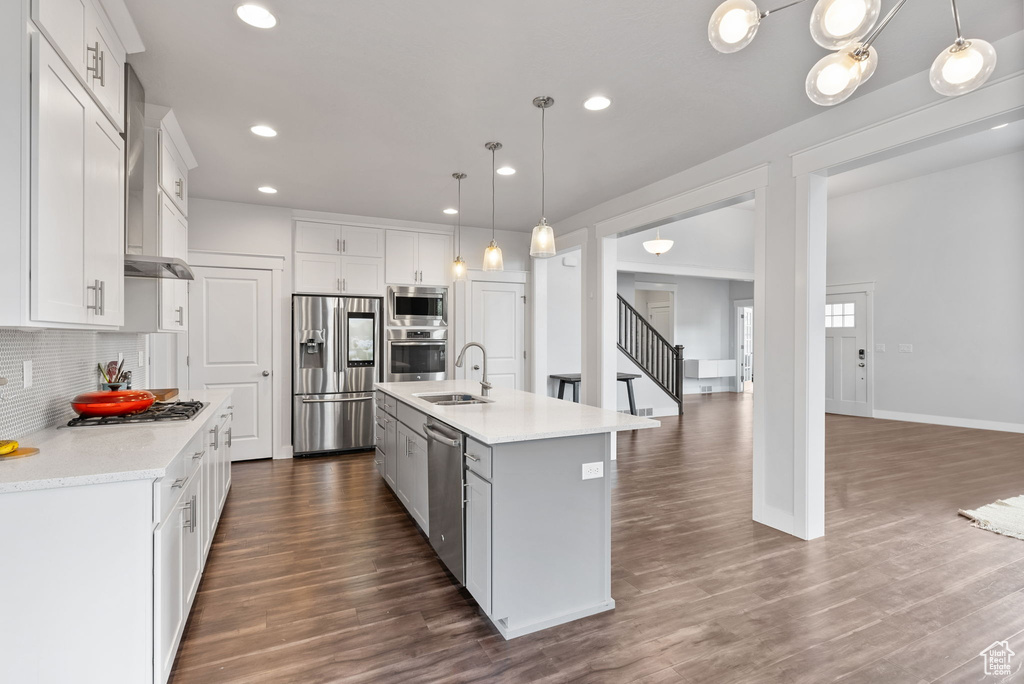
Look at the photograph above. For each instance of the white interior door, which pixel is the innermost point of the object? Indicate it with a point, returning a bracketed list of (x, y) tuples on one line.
[(846, 355), (660, 316), (498, 313), (230, 347)]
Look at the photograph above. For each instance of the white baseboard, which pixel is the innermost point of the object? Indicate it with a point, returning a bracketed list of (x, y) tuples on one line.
[(284, 451), (950, 421)]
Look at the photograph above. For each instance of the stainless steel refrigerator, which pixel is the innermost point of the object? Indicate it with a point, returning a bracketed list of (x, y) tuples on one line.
[(337, 355)]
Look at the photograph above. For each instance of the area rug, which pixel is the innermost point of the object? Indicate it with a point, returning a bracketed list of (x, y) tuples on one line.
[(1005, 517)]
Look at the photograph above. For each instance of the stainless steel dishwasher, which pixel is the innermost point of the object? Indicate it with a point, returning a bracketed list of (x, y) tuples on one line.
[(445, 477)]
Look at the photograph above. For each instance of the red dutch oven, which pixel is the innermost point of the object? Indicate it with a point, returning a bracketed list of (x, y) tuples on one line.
[(119, 403)]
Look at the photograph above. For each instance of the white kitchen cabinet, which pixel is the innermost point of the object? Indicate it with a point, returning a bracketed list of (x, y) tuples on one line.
[(335, 259), (173, 173), (478, 539), (170, 609), (63, 22), (174, 243), (78, 238), (192, 540), (317, 238), (362, 276), (104, 64), (357, 241), (709, 368), (417, 258), (317, 273), (411, 479), (394, 443)]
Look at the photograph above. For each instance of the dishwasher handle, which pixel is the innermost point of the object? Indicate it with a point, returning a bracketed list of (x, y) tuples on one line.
[(443, 439)]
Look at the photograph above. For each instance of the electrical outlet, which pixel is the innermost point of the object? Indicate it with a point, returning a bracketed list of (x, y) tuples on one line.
[(26, 374), (906, 348), (593, 471), (142, 359), (879, 347)]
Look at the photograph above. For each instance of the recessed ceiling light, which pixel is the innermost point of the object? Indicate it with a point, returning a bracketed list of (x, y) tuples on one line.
[(267, 189), (597, 103), (263, 131), (257, 16), (451, 211), (505, 171), (995, 128)]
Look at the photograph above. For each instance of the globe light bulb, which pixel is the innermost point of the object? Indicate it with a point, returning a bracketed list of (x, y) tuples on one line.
[(733, 25), (459, 269), (837, 23), (492, 258), (835, 77), (542, 243), (962, 67)]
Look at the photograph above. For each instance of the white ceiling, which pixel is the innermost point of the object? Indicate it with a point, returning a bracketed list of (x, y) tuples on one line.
[(959, 152), (377, 102)]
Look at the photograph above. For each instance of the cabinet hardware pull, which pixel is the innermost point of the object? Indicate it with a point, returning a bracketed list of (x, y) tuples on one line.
[(337, 243), (471, 457), (344, 246), (339, 284), (179, 188), (96, 287), (180, 318), (228, 433), (95, 68), (344, 284), (103, 66), (179, 483), (216, 437), (193, 514), (198, 455)]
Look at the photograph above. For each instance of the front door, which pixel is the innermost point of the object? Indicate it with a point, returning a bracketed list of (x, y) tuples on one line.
[(230, 347), (498, 311), (846, 355)]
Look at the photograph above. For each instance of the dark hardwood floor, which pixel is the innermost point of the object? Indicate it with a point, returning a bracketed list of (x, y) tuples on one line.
[(318, 575)]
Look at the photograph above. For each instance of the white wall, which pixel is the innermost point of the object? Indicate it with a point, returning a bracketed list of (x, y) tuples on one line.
[(945, 253), (515, 247), (564, 337), (717, 240)]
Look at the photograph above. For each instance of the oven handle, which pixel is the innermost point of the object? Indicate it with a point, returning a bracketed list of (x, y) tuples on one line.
[(431, 343), (334, 401)]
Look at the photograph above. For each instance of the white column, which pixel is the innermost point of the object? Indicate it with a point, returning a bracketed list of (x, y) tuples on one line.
[(537, 352)]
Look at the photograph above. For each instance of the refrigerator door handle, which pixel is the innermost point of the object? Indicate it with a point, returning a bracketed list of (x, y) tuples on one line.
[(335, 401)]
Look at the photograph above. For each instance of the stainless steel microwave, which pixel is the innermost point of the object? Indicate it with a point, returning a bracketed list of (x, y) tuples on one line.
[(417, 307)]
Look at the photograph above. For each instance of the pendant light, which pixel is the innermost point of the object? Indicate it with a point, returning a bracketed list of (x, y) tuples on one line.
[(963, 66), (459, 266), (734, 23), (492, 255), (658, 246), (542, 244), (836, 76), (837, 23)]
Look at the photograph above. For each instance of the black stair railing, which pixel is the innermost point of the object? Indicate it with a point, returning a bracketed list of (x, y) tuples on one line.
[(658, 358)]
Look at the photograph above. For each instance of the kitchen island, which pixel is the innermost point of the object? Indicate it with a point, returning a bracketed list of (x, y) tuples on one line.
[(530, 538)]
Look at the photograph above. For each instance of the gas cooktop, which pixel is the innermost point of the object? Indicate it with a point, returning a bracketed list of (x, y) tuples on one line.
[(160, 412)]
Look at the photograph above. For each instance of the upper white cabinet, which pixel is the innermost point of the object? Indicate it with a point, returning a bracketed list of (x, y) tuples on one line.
[(336, 259), (173, 171), (77, 219), (417, 258)]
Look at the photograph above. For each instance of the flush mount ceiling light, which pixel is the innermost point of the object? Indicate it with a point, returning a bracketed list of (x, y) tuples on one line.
[(267, 190), (542, 243), (451, 211), (963, 66), (996, 128), (257, 16), (492, 255), (263, 131), (597, 103), (845, 26), (505, 170), (658, 246), (459, 265)]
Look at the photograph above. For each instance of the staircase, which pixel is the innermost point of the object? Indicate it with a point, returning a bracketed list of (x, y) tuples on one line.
[(659, 359)]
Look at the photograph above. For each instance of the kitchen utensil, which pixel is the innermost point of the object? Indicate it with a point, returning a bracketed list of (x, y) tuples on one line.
[(120, 403), (20, 453), (165, 394)]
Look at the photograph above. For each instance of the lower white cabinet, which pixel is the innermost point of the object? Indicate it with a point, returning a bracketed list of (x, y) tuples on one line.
[(411, 478), (478, 539), (169, 604), (709, 368)]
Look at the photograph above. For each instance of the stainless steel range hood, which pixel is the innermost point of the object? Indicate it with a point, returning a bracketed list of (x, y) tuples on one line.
[(138, 264), (141, 266)]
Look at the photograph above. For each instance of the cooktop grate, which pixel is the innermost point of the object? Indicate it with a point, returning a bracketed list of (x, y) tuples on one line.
[(159, 412)]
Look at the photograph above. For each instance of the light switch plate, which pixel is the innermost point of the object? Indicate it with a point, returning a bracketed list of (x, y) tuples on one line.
[(906, 348), (26, 374), (879, 347), (593, 471)]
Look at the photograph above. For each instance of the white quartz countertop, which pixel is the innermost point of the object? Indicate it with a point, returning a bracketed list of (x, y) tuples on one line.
[(512, 415), (70, 457)]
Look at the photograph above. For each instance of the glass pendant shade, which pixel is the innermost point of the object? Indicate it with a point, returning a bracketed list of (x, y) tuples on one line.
[(962, 67), (458, 269), (658, 245), (542, 244), (836, 23), (733, 25), (835, 77), (492, 258)]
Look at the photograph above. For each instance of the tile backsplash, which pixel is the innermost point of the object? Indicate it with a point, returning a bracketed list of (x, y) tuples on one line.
[(63, 365)]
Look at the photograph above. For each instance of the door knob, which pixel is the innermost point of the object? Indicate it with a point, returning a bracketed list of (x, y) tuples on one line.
[(476, 367), (861, 365), (266, 374)]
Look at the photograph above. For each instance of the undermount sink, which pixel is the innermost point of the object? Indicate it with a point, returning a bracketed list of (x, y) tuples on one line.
[(452, 399)]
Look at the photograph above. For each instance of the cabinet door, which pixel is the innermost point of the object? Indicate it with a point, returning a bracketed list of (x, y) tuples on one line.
[(173, 173), (173, 243), (362, 242), (419, 498), (478, 539), (435, 257), (168, 597), (105, 64), (224, 456), (317, 238), (315, 273), (391, 447), (64, 22), (192, 543), (61, 109), (362, 275), (400, 257), (104, 221), (404, 470), (208, 506)]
